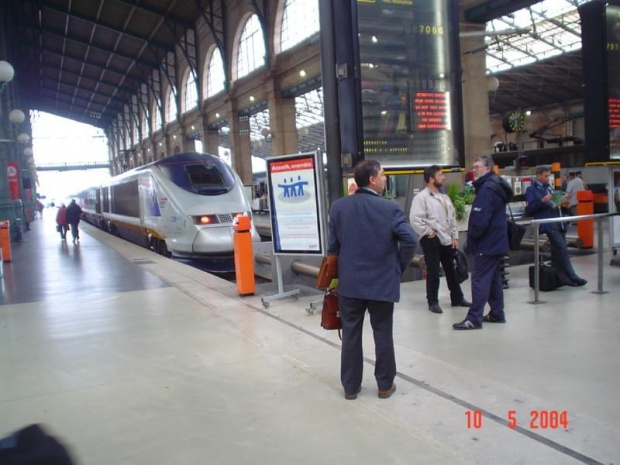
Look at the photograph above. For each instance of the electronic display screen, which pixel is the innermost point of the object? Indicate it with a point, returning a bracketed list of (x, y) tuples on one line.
[(408, 103), (613, 78)]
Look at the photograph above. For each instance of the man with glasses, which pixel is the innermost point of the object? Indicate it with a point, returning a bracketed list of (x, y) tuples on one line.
[(540, 205), (487, 242)]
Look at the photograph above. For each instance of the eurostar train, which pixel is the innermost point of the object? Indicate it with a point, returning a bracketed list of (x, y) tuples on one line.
[(182, 205)]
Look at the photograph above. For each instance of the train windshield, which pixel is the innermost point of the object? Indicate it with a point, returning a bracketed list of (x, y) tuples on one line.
[(211, 177)]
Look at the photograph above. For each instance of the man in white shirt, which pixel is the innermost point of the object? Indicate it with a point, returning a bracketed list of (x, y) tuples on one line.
[(575, 184), (433, 218)]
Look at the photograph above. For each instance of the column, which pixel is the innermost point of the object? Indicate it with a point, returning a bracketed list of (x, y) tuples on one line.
[(282, 122), (240, 150), (476, 121)]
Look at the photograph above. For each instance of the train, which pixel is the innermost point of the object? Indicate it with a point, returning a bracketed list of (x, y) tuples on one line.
[(181, 206)]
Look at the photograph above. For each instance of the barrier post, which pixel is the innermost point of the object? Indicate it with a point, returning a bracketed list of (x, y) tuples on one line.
[(585, 228), (5, 239), (536, 265), (244, 255), (599, 225)]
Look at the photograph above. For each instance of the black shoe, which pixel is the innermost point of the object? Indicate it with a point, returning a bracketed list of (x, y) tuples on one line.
[(462, 303), (387, 393), (352, 395), (465, 325), (493, 319), (435, 308), (579, 282)]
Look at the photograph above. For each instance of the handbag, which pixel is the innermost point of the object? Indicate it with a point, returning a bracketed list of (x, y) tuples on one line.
[(327, 272), (515, 232), (330, 316), (461, 269), (548, 277), (57, 228)]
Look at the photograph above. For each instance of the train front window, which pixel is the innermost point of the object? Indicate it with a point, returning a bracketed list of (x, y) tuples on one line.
[(209, 178)]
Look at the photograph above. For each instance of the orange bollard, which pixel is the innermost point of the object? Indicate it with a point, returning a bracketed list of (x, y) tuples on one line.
[(585, 228), (557, 175), (244, 255), (5, 240)]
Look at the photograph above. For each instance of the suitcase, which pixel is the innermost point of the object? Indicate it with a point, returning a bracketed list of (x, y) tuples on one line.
[(548, 277)]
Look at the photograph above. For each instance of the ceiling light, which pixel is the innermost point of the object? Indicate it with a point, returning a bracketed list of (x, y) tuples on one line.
[(302, 73), (252, 98), (17, 116), (374, 39), (217, 115)]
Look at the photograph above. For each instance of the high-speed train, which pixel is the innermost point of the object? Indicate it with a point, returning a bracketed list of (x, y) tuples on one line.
[(183, 205)]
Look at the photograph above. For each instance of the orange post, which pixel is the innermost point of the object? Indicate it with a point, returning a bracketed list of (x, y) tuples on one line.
[(244, 255), (557, 175), (585, 228), (5, 240)]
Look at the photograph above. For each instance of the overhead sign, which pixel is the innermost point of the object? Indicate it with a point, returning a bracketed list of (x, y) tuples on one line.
[(295, 196)]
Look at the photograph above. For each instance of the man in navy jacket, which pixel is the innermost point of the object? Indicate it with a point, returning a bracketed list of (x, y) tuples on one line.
[(540, 205), (487, 242), (374, 243)]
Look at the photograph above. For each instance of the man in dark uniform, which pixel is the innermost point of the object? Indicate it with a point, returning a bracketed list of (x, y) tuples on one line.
[(73, 218), (487, 242), (374, 243)]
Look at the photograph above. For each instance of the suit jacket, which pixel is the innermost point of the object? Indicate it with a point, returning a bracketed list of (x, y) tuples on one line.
[(374, 243)]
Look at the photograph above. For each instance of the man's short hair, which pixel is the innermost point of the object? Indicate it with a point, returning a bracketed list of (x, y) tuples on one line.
[(364, 170), (430, 172), (540, 169), (571, 175), (486, 161)]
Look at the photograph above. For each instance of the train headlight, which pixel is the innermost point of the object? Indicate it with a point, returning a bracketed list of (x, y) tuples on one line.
[(205, 219)]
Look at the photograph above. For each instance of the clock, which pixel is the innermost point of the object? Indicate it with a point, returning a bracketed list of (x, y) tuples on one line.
[(513, 121)]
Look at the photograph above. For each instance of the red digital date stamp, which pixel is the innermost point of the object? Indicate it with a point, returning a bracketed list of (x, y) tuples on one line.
[(539, 419)]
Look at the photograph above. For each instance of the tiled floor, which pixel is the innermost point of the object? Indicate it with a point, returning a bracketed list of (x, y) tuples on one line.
[(134, 359)]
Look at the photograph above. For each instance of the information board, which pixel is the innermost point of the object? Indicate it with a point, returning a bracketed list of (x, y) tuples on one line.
[(410, 100), (296, 199), (614, 207), (612, 19)]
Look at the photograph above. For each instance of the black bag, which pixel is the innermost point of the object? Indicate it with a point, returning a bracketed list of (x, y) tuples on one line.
[(32, 445), (515, 232), (58, 228), (461, 270), (548, 277)]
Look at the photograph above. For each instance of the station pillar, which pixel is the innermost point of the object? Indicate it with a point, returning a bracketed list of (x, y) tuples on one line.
[(476, 119)]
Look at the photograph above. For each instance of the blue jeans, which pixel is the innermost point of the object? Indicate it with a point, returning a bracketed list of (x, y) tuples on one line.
[(559, 254)]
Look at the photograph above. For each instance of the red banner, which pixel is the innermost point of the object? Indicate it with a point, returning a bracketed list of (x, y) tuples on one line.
[(12, 173)]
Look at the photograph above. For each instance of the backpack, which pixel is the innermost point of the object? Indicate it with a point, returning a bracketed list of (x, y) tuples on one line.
[(461, 269)]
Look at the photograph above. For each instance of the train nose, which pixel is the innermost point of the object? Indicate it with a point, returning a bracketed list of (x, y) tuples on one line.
[(214, 241)]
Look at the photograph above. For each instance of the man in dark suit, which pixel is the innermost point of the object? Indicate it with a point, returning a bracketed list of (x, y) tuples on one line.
[(374, 243)]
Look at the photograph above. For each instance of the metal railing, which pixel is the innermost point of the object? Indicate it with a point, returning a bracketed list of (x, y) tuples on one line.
[(599, 220)]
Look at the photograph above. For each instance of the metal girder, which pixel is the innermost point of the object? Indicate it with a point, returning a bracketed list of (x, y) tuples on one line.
[(262, 19), (87, 78), (53, 108), (75, 97), (189, 46), (95, 92), (217, 25), (111, 27), (494, 9), (45, 30), (169, 17), (89, 63)]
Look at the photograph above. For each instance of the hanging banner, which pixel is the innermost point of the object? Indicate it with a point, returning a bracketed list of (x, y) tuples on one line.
[(12, 172), (295, 196)]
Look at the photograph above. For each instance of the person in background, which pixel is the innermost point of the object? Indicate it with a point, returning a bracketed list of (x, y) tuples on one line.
[(73, 218), (539, 197), (434, 220), (575, 184), (487, 242), (62, 225), (374, 243)]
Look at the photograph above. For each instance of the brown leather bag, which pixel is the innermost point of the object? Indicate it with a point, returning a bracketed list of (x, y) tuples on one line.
[(327, 272), (330, 317)]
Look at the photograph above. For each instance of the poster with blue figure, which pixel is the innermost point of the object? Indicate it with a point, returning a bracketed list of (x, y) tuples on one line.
[(295, 207)]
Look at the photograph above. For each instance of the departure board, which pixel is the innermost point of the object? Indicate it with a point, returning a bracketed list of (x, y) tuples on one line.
[(409, 98), (612, 16)]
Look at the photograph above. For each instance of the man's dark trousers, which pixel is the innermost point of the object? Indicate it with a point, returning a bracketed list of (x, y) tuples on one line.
[(486, 286), (435, 253), (352, 359)]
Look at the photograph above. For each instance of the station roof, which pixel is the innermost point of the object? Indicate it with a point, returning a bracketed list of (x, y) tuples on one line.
[(86, 59)]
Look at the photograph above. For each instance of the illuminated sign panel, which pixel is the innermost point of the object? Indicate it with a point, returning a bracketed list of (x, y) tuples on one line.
[(613, 78), (408, 89)]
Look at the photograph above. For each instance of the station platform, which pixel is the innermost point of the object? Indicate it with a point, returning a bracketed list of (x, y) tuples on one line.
[(132, 358)]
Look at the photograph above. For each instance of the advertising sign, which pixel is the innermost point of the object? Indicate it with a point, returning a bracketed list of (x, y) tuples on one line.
[(12, 172), (296, 204), (615, 208)]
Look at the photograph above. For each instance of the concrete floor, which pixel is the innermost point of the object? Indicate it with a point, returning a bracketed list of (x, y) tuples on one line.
[(131, 358)]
